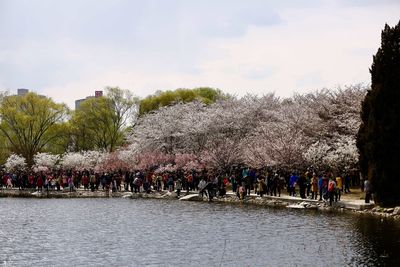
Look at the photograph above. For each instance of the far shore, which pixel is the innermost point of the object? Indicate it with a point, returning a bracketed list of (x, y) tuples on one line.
[(349, 202)]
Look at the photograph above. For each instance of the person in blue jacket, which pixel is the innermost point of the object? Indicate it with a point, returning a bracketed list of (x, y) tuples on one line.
[(292, 184), (320, 186)]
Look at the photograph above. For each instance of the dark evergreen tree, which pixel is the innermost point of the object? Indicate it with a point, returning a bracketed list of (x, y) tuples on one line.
[(378, 139)]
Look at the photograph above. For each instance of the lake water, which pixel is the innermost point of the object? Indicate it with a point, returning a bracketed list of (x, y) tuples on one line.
[(126, 232)]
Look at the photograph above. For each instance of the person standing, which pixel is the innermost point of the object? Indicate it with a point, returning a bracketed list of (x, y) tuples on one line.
[(46, 183), (281, 184), (274, 185), (9, 182), (367, 190), (268, 183), (70, 183), (59, 181), (190, 183), (247, 181), (347, 183), (158, 182), (339, 188), (232, 180), (241, 191), (320, 186), (31, 180), (202, 185), (127, 180), (137, 183), (308, 182), (187, 182), (92, 181), (292, 184), (85, 181), (314, 186), (261, 186), (178, 186), (39, 183), (325, 182), (170, 182), (302, 185), (331, 190)]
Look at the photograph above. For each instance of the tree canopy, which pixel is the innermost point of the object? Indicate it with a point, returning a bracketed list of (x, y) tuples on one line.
[(378, 139), (30, 123), (206, 95), (316, 129), (255, 131), (100, 122)]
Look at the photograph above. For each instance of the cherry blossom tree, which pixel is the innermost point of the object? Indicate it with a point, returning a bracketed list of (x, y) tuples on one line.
[(344, 155), (166, 168), (338, 117), (183, 159), (93, 159), (170, 129), (113, 162), (221, 156), (45, 162), (315, 155), (15, 163), (311, 129), (152, 160), (72, 160)]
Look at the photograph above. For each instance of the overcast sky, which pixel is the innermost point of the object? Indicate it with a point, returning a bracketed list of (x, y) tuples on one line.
[(69, 49)]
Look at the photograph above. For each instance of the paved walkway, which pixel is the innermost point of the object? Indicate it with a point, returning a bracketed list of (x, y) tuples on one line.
[(347, 203), (355, 204)]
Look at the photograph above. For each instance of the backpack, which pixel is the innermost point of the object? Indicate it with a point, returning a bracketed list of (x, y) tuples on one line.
[(331, 186)]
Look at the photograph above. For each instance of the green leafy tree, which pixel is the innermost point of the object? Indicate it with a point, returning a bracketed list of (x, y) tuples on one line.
[(100, 123), (30, 123), (4, 151), (62, 143), (378, 138), (206, 95)]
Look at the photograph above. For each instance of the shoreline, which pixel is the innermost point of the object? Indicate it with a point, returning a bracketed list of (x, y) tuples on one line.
[(266, 201)]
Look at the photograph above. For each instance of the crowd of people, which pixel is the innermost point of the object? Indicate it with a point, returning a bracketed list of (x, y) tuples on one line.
[(242, 181)]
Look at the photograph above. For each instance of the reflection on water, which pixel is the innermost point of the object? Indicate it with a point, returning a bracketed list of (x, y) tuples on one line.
[(109, 232)]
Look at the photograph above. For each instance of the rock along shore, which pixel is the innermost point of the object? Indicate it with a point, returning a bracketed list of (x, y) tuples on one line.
[(357, 207)]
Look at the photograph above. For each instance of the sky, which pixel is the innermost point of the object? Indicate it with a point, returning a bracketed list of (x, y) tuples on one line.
[(68, 49)]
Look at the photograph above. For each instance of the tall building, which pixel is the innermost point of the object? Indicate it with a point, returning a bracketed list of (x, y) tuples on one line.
[(98, 93), (80, 101), (22, 91)]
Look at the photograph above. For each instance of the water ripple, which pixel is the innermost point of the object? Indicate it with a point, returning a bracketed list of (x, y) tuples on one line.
[(121, 232)]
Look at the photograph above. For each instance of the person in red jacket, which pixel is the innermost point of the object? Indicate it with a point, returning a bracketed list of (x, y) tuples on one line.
[(39, 183), (331, 190)]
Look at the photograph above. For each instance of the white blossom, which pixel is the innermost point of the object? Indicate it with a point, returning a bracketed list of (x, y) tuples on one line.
[(317, 128), (45, 162), (316, 153), (15, 163), (345, 153), (72, 160)]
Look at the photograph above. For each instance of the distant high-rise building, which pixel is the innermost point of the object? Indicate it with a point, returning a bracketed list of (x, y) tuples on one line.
[(80, 101), (22, 91)]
